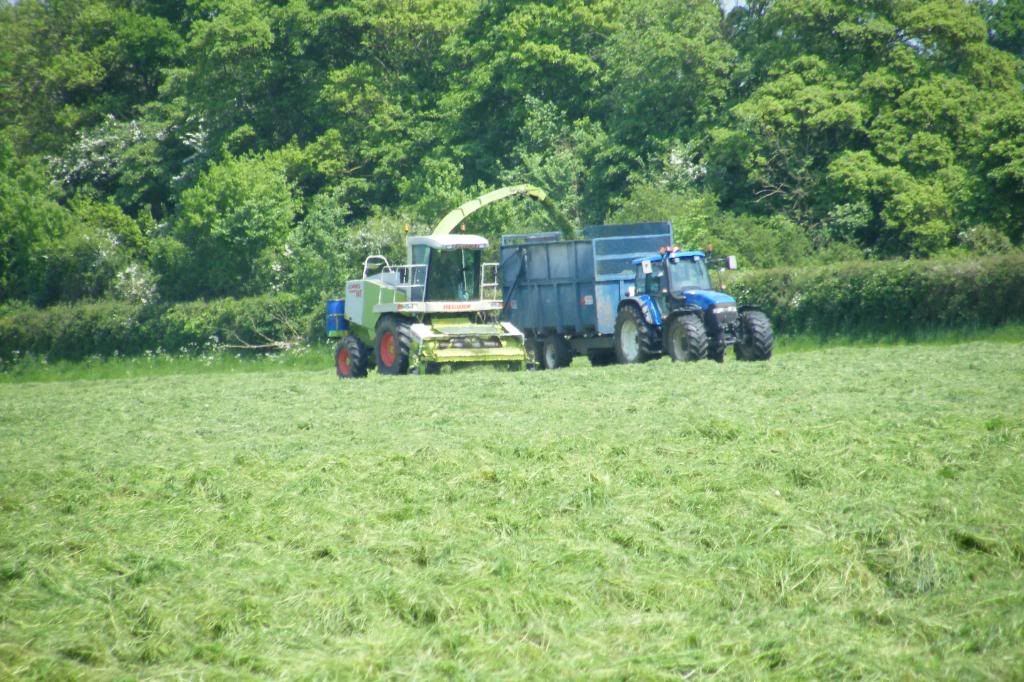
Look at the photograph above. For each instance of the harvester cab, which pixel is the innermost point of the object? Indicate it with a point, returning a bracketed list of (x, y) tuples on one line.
[(674, 306), (447, 268)]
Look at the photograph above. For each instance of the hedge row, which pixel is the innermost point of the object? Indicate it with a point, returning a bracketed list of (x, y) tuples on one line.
[(888, 297), (105, 328), (851, 299)]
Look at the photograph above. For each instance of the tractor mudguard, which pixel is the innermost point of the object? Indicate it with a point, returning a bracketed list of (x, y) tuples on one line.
[(686, 310), (648, 308)]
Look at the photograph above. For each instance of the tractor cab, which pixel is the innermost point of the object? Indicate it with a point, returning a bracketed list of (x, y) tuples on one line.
[(445, 268), (672, 272)]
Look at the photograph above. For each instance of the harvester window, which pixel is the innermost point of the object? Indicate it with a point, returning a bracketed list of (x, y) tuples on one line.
[(418, 272), (454, 275)]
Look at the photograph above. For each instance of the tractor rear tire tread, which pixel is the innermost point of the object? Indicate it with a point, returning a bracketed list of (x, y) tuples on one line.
[(646, 341)]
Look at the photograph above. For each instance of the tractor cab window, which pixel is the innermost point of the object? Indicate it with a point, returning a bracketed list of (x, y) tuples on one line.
[(687, 274), (649, 277), (454, 275)]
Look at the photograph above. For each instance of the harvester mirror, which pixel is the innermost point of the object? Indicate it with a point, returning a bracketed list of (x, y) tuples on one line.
[(730, 263)]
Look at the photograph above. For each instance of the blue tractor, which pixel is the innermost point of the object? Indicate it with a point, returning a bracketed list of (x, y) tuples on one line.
[(673, 308)]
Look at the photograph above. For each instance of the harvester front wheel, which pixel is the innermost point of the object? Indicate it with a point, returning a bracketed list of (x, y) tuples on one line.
[(351, 358), (555, 352), (632, 336), (686, 339), (392, 347), (756, 338)]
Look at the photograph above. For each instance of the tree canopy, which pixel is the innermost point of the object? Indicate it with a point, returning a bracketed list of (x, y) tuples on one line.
[(233, 147)]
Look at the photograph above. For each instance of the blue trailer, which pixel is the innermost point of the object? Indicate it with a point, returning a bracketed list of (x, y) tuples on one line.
[(623, 293)]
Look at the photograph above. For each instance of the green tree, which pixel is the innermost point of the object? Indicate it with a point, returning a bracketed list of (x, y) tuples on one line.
[(1005, 20), (512, 49), (865, 120), (67, 65), (30, 219), (576, 162), (667, 69), (233, 224), (383, 104)]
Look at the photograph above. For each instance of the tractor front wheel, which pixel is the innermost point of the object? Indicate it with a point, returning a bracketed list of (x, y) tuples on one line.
[(392, 348), (351, 358), (632, 336), (686, 339), (756, 339)]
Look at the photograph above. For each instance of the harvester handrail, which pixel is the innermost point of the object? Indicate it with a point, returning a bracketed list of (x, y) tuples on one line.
[(406, 281), (375, 259), (490, 290)]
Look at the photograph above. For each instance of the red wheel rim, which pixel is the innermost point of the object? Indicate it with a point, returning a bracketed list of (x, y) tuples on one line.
[(343, 360), (387, 349)]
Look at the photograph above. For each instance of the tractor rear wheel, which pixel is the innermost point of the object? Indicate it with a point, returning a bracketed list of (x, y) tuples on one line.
[(686, 339), (555, 352), (756, 338), (351, 358), (392, 347), (633, 339)]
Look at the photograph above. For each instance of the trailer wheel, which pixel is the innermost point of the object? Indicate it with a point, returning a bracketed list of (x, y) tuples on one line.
[(351, 358), (633, 342), (555, 352), (392, 347), (756, 338), (686, 339), (601, 358)]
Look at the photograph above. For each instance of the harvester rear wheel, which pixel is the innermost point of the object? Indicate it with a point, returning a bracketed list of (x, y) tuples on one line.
[(686, 339), (756, 338), (392, 347), (633, 339), (351, 358), (555, 352)]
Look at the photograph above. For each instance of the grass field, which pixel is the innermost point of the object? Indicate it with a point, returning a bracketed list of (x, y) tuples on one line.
[(839, 512)]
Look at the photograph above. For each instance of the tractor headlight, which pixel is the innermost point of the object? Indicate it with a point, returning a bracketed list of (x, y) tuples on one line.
[(724, 309)]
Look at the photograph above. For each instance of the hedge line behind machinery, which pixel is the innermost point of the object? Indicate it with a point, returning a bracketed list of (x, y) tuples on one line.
[(105, 328), (863, 298), (889, 297)]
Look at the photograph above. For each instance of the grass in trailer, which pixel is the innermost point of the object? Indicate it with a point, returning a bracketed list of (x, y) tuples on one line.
[(842, 512)]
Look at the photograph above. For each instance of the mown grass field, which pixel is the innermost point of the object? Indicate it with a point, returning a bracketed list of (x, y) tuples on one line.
[(843, 512)]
